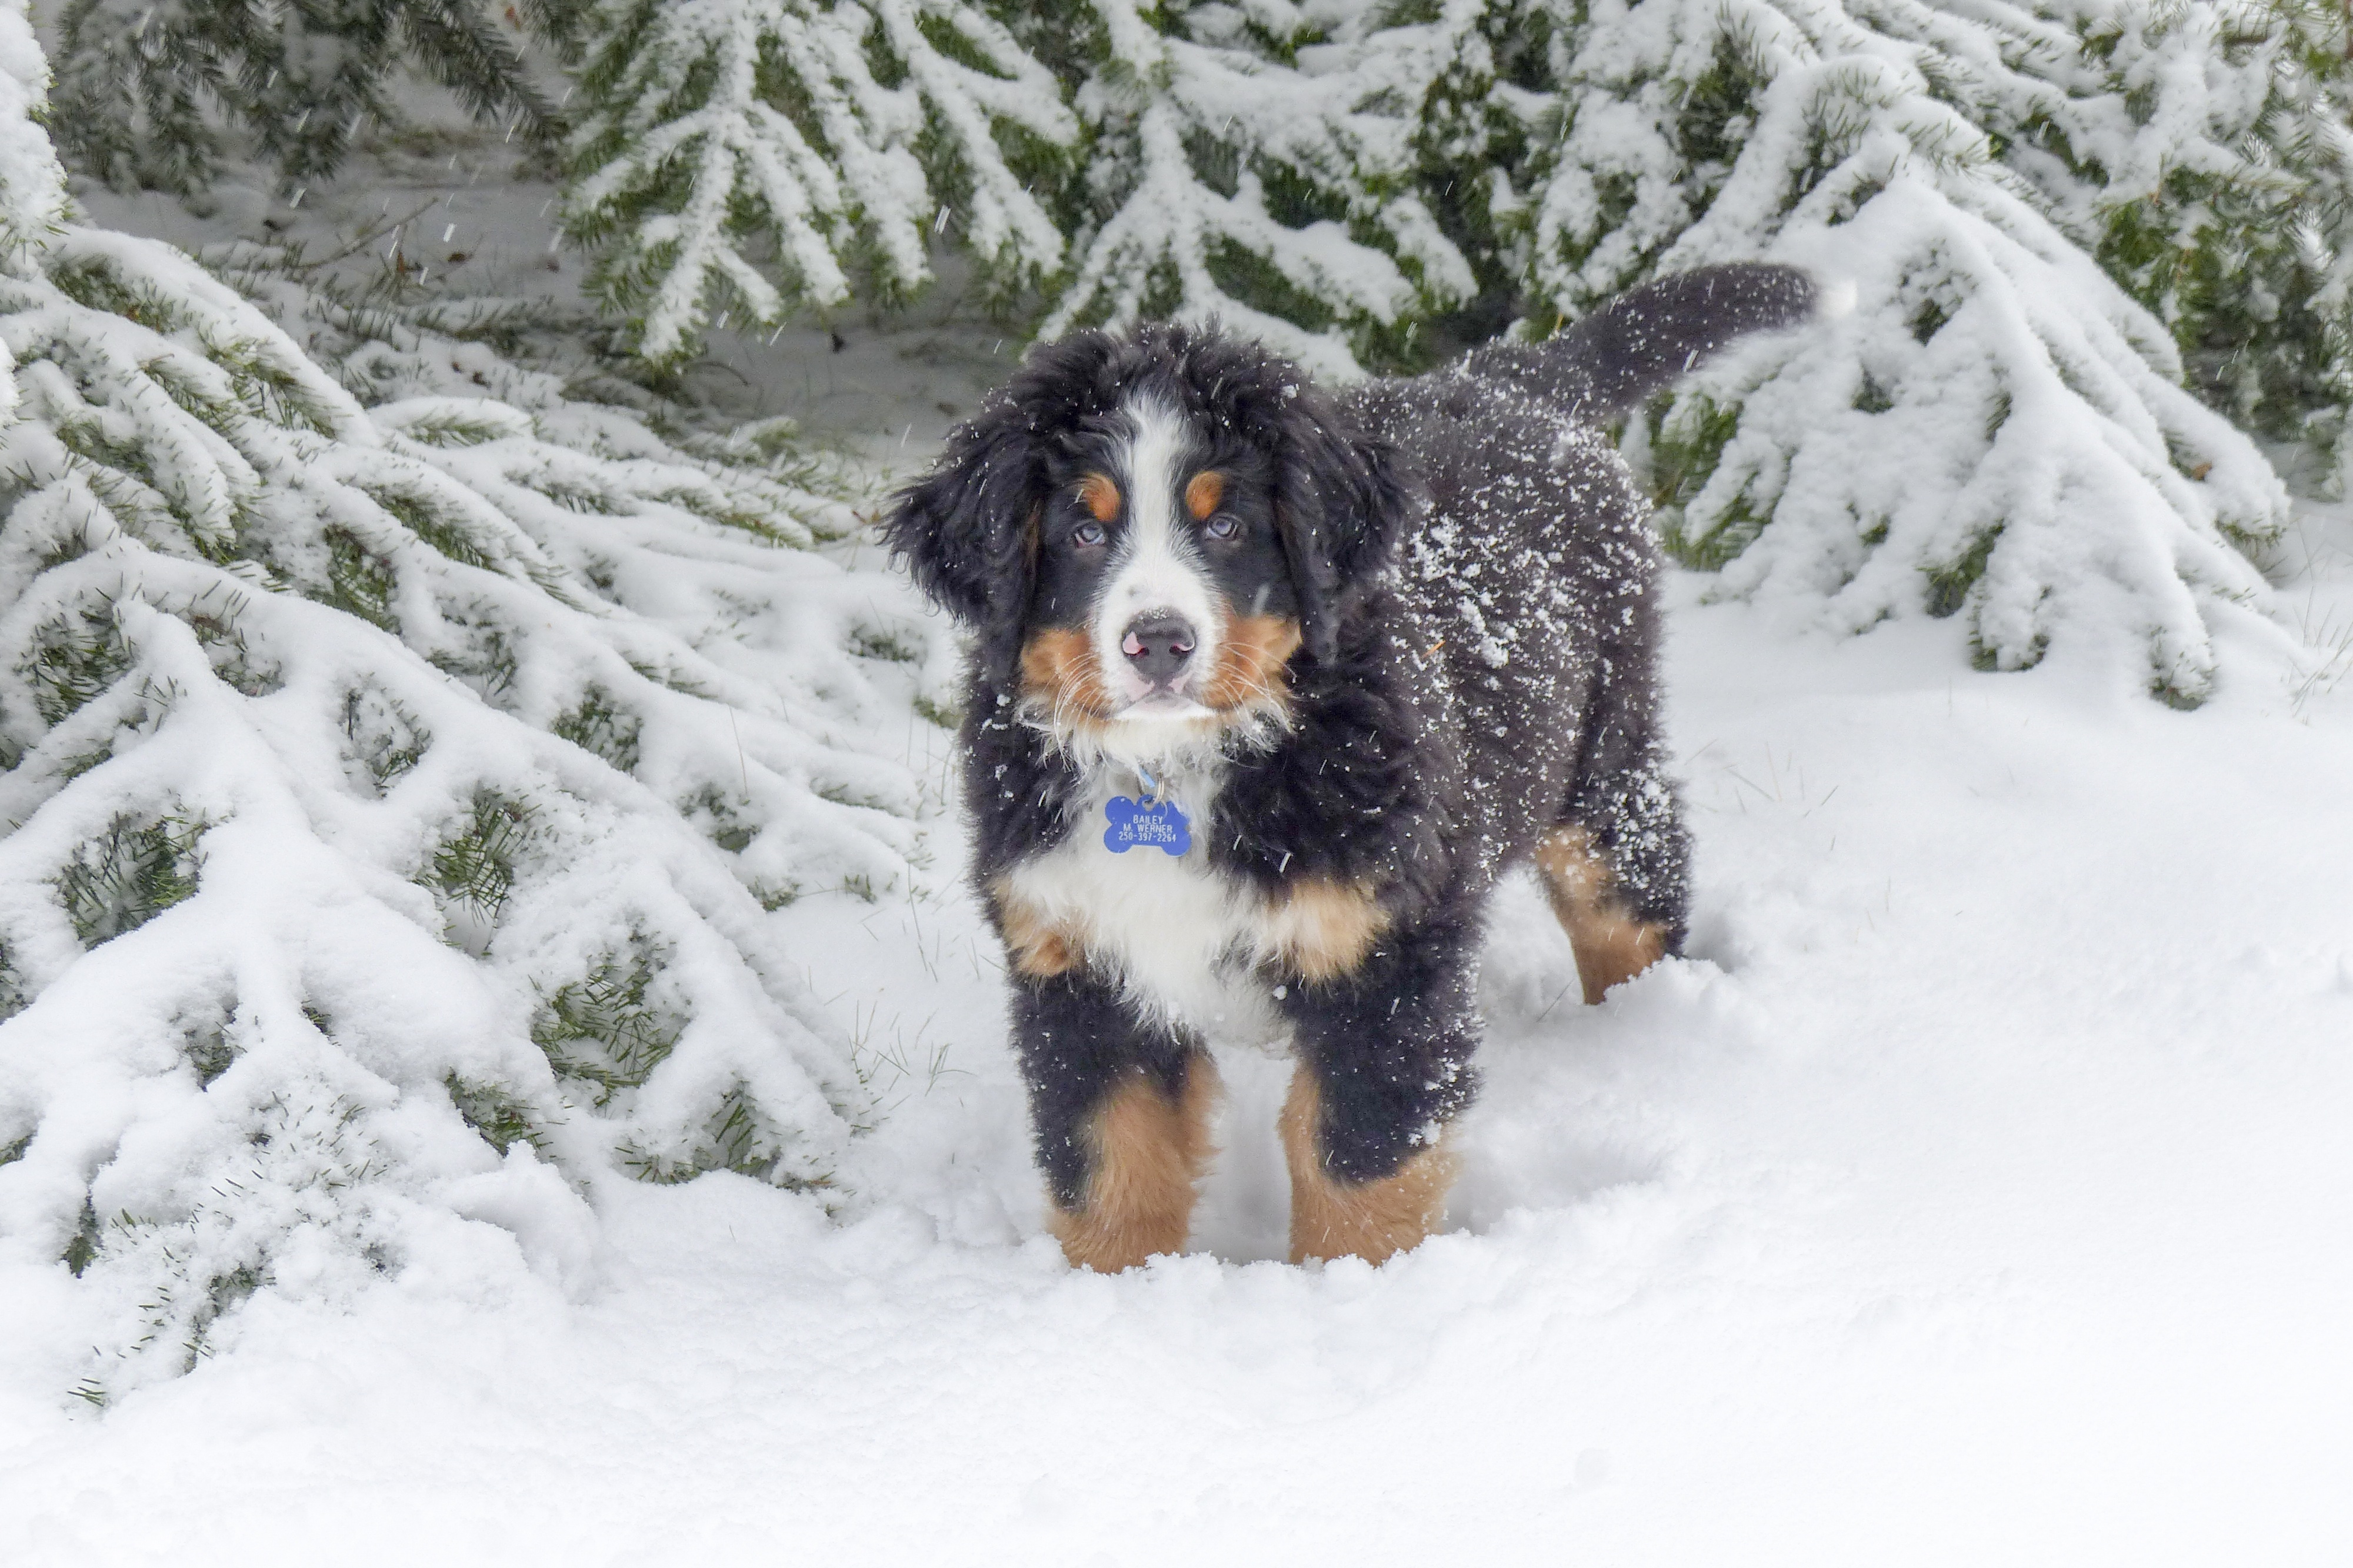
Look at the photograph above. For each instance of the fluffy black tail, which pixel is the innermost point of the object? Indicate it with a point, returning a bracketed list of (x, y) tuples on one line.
[(1648, 337)]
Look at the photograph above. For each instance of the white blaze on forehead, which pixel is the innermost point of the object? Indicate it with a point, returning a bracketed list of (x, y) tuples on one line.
[(1159, 566)]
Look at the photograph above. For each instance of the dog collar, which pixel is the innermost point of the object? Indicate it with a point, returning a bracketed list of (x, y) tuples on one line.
[(1149, 819)]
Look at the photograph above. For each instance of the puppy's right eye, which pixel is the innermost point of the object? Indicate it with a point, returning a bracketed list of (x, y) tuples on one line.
[(1087, 533)]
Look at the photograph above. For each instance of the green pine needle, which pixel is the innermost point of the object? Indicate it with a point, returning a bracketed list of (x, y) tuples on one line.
[(129, 873), (476, 867)]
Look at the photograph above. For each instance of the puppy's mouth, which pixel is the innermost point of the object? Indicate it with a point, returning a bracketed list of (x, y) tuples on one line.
[(1162, 703)]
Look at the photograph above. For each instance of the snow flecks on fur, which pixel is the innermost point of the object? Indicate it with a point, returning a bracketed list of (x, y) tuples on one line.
[(395, 796)]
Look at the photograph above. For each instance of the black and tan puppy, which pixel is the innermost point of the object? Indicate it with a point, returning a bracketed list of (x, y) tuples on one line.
[(1268, 687)]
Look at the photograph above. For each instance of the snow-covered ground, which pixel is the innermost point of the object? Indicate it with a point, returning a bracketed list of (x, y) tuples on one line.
[(1979, 1191)]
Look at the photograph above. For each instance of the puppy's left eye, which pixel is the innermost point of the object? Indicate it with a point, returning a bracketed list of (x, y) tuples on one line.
[(1222, 527)]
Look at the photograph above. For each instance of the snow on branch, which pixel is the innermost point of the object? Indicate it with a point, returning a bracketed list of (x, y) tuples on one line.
[(1190, 129), (168, 96), (1999, 431), (2203, 158), (722, 141), (31, 185)]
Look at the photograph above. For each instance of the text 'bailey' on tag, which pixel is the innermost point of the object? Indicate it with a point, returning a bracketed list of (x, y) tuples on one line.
[(1133, 825)]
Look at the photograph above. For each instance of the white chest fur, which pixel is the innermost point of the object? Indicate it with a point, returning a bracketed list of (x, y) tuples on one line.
[(1180, 938)]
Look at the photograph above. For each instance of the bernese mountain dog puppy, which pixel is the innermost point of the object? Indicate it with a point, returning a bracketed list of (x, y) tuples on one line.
[(1268, 687)]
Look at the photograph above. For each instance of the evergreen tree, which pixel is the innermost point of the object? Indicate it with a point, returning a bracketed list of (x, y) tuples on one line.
[(1997, 430), (394, 812), (163, 96)]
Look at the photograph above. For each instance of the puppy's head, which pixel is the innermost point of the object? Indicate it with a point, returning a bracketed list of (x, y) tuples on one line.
[(1143, 530)]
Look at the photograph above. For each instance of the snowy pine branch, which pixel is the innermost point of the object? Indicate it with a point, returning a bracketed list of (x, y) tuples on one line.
[(387, 861), (1275, 197), (1998, 431), (720, 136), (166, 95)]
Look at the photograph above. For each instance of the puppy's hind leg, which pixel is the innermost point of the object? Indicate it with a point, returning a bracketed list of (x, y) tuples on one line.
[(1122, 1111), (1617, 865), (1612, 944)]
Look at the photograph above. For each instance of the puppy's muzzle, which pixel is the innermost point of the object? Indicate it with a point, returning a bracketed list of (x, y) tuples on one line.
[(1159, 648)]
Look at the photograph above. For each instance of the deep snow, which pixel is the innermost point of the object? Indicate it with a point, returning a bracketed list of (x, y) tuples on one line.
[(1977, 1192)]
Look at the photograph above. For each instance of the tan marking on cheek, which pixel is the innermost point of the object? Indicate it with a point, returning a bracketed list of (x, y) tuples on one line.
[(1037, 944), (1148, 1152), (1059, 667), (1321, 929), (1611, 946), (1252, 657), (1372, 1220), (1203, 494), (1099, 497)]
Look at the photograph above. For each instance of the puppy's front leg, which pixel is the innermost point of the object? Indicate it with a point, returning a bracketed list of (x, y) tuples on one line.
[(1121, 1106), (1384, 1054)]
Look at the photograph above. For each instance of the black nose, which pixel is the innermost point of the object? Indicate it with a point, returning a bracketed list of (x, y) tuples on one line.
[(1158, 646)]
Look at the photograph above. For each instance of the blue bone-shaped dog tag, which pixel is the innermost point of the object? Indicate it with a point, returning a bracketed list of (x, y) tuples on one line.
[(1161, 823)]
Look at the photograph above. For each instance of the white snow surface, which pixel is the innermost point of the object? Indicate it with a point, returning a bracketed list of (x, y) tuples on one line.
[(1977, 1192)]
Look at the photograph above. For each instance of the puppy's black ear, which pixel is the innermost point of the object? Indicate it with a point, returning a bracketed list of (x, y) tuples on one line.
[(967, 530), (1341, 502)]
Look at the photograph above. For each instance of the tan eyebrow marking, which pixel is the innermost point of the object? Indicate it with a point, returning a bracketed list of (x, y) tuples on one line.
[(1202, 496), (1099, 497)]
